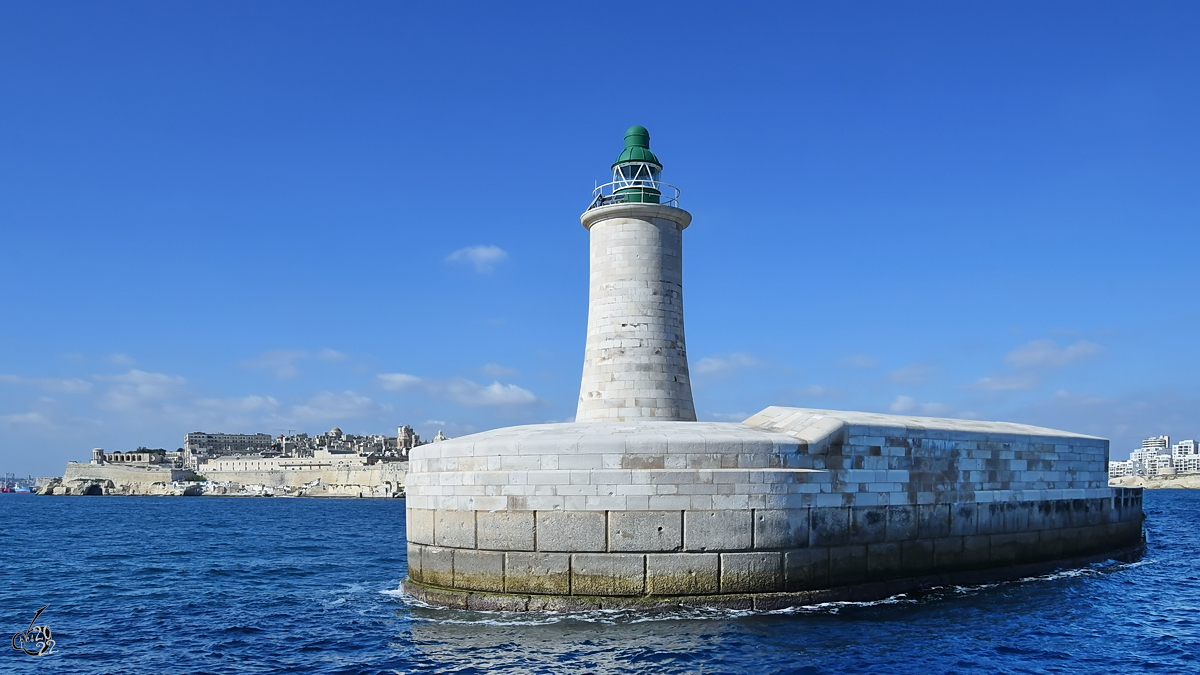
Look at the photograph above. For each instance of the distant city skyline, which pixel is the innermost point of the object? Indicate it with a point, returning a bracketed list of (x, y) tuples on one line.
[(290, 216)]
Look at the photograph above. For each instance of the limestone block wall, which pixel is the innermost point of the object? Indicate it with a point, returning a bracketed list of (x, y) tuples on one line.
[(386, 476), (379, 480), (792, 500), (635, 360), (121, 475)]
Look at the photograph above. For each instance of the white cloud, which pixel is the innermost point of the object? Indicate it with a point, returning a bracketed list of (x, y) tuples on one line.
[(244, 404), (459, 390), (283, 361), (119, 359), (497, 370), (1047, 354), (817, 390), (1021, 382), (65, 385), (24, 418), (723, 365), (470, 393), (398, 381), (859, 361), (138, 389), (1125, 418), (333, 406), (914, 373), (484, 258), (907, 405)]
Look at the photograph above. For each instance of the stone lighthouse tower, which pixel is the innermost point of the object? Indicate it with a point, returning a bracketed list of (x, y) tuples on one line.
[(635, 362)]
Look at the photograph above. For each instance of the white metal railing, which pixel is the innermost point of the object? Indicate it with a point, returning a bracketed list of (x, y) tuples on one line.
[(634, 192)]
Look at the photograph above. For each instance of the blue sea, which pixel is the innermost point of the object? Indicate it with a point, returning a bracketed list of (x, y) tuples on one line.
[(256, 585)]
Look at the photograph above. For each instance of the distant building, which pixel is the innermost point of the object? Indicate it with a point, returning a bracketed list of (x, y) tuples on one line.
[(139, 457), (1157, 457), (199, 445), (1185, 457), (406, 438), (1160, 442), (260, 452)]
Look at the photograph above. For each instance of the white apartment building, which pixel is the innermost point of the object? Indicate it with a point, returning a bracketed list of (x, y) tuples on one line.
[(199, 445), (1157, 457), (1185, 457), (1160, 442)]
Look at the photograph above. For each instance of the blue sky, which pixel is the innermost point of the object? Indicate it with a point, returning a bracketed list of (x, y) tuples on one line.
[(274, 216)]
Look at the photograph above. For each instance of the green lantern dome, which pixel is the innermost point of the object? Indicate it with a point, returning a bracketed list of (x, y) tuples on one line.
[(637, 147)]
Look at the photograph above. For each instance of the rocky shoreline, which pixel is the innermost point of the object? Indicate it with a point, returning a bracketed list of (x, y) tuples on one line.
[(99, 487), (1187, 481)]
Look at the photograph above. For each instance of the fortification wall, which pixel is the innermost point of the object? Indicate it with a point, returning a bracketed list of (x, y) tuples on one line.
[(380, 480), (791, 502), (121, 475)]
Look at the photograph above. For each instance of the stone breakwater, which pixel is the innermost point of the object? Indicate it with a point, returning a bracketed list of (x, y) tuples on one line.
[(378, 481), (791, 507)]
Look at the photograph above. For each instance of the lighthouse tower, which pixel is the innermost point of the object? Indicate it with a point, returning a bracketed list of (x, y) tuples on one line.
[(635, 362)]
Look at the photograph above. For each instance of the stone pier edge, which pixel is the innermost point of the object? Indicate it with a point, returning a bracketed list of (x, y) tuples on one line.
[(1068, 531), (452, 598)]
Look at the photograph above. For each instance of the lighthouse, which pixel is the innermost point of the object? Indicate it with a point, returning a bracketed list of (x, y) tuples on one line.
[(637, 504), (635, 359)]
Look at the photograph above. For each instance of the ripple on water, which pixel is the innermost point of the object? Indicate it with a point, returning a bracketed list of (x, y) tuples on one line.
[(269, 586)]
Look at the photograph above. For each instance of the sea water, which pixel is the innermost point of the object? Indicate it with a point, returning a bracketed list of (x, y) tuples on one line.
[(258, 585)]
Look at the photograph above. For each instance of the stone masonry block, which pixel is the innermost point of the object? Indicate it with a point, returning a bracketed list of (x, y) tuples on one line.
[(570, 531), (830, 526), (479, 570), (437, 566), (1050, 544), (780, 528), (884, 561), (717, 530), (1014, 548), (757, 572), (977, 551), (868, 524), (947, 553), (419, 524), (454, 528), (414, 561), (548, 573), (916, 556), (963, 518), (989, 518), (682, 573), (933, 521), (847, 565), (805, 569), (645, 530), (901, 522), (505, 530), (1018, 516), (608, 574)]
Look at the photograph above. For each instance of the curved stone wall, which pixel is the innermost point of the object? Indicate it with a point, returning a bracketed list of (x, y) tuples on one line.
[(791, 502)]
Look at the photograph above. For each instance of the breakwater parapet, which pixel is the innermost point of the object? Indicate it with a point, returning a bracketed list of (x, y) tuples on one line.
[(790, 507)]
